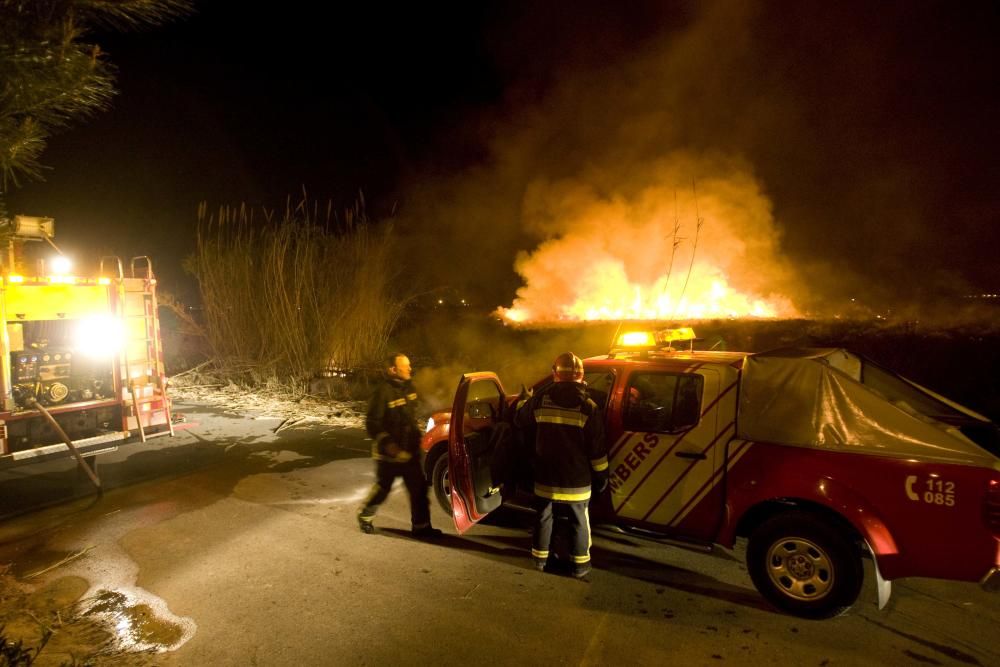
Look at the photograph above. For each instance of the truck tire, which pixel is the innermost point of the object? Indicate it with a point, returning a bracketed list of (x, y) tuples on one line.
[(441, 483), (804, 565)]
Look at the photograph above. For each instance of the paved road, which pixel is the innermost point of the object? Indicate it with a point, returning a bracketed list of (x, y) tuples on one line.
[(234, 546)]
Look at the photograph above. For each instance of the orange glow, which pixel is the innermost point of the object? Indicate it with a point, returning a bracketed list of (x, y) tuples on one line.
[(655, 251), (708, 296)]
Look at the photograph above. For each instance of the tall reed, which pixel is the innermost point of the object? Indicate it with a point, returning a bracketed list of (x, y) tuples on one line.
[(286, 296)]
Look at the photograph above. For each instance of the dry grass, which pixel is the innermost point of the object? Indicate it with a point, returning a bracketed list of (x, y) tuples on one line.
[(285, 296)]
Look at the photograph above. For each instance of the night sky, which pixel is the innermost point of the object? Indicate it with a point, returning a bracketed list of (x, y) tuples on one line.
[(871, 128)]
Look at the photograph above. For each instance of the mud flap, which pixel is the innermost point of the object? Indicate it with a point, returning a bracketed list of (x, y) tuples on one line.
[(882, 586)]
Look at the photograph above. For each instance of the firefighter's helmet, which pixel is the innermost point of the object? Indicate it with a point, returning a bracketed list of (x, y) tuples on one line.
[(567, 368)]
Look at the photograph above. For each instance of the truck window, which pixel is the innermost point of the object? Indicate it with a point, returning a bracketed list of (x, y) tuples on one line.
[(598, 387), (663, 402), (483, 401)]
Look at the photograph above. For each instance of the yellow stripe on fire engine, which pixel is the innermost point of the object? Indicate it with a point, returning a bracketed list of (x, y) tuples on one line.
[(54, 302)]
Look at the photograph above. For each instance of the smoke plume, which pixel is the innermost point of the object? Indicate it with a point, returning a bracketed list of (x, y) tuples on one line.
[(820, 176)]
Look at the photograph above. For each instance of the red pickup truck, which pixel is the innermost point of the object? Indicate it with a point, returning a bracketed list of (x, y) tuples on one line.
[(818, 456)]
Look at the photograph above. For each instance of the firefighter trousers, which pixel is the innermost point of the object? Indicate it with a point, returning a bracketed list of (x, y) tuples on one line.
[(386, 473), (578, 520)]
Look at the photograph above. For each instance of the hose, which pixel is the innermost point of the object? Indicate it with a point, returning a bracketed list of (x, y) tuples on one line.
[(33, 403)]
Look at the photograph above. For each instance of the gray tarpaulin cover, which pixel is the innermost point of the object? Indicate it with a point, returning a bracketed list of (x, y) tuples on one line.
[(828, 398)]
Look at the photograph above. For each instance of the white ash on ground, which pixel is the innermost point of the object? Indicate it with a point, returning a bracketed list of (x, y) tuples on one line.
[(274, 403)]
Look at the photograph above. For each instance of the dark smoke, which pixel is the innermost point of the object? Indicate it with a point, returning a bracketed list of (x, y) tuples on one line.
[(870, 127)]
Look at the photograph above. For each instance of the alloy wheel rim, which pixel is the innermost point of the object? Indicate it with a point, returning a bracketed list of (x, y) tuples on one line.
[(800, 569)]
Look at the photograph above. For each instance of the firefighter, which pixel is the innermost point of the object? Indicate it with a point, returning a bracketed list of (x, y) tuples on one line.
[(392, 425), (570, 457)]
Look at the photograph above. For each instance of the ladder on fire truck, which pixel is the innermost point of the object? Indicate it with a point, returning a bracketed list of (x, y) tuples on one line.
[(142, 368)]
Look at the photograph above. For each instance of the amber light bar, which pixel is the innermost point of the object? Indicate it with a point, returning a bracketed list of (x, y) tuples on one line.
[(55, 280)]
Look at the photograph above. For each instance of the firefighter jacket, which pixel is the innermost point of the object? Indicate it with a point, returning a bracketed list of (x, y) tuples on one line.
[(392, 419), (570, 451)]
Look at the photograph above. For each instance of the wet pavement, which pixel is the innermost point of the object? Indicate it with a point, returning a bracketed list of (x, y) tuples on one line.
[(232, 545)]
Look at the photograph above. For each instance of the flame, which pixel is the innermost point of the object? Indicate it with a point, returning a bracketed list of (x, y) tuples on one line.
[(708, 295), (652, 253)]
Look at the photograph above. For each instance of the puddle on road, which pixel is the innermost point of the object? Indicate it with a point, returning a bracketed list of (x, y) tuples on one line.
[(275, 457), (36, 562), (104, 613), (71, 595), (57, 624), (137, 626)]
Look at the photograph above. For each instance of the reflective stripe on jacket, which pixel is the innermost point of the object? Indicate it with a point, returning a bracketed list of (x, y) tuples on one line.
[(392, 418), (569, 441)]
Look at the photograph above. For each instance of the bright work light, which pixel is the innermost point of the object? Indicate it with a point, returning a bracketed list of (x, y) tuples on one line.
[(645, 341), (636, 339), (60, 265), (98, 336)]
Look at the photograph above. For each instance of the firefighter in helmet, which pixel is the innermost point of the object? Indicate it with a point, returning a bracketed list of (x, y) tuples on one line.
[(391, 423), (570, 458)]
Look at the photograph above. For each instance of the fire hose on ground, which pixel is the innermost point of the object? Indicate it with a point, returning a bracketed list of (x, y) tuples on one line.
[(69, 443)]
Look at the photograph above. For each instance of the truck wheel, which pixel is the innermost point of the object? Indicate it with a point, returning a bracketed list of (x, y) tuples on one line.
[(441, 483), (804, 566)]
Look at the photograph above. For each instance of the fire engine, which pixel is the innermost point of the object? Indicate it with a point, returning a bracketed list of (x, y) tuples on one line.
[(819, 457), (81, 364)]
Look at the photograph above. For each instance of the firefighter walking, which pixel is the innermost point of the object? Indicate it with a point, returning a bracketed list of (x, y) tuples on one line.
[(570, 457), (391, 423)]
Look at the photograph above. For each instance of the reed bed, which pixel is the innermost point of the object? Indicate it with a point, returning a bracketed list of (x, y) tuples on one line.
[(285, 296)]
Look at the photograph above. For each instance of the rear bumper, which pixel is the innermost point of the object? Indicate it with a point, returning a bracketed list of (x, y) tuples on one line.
[(100, 444), (991, 582)]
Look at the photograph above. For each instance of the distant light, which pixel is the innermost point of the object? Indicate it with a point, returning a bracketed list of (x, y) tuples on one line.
[(440, 300), (15, 279), (60, 265), (104, 281)]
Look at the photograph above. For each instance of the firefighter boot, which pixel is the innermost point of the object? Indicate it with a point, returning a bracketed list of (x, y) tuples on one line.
[(581, 570), (426, 533), (539, 558), (365, 523)]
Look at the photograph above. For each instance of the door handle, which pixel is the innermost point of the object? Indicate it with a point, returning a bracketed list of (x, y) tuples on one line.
[(698, 456)]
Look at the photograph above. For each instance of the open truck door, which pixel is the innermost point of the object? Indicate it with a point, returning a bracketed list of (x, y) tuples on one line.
[(478, 424)]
